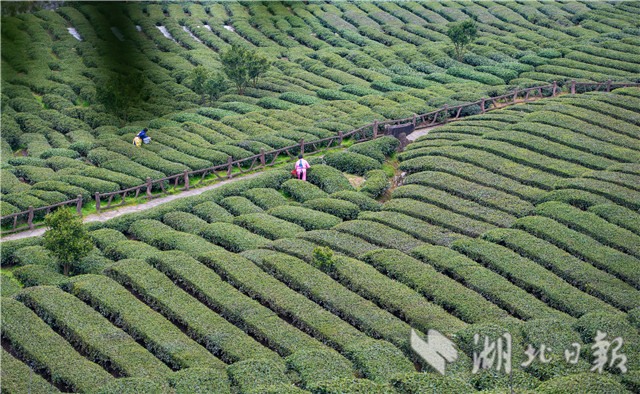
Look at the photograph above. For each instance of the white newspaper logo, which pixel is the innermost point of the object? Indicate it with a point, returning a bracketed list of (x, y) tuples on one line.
[(437, 350)]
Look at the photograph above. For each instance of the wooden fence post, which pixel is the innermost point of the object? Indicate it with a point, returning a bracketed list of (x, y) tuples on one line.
[(79, 205), (573, 87), (515, 95), (302, 146), (340, 138), (262, 158), (446, 114), (30, 220), (375, 129), (149, 187), (608, 85), (482, 110), (229, 167), (555, 86), (186, 180), (98, 202), (414, 119)]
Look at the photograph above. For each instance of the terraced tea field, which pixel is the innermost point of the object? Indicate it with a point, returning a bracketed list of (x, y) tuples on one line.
[(522, 220)]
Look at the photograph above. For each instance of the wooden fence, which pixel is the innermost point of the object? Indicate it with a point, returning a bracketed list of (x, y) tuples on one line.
[(31, 214), (288, 154)]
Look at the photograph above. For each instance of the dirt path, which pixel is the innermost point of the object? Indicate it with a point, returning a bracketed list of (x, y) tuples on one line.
[(129, 209)]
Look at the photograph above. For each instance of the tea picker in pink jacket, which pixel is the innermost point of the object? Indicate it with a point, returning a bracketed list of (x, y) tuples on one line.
[(301, 168)]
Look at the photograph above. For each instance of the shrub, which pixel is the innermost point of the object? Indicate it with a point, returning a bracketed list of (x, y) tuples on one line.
[(237, 205), (377, 181), (363, 202), (87, 328), (265, 198), (340, 242), (581, 383), (268, 226), (386, 145), (300, 99), (26, 160), (57, 163), (618, 215), (17, 377), (486, 196), (135, 170), (35, 340), (150, 328), (331, 94), (92, 185), (422, 382), (164, 237), (532, 277), (350, 162), (301, 190), (307, 218), (591, 224), (580, 245), (212, 212), (133, 385), (34, 174), (11, 184), (349, 385), (103, 238), (328, 178), (319, 365), (199, 380), (204, 325), (249, 375), (345, 210), (231, 237), (125, 181), (579, 273), (39, 275)]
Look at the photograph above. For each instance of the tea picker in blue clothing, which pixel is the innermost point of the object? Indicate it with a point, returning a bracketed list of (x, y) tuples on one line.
[(141, 137), (143, 134)]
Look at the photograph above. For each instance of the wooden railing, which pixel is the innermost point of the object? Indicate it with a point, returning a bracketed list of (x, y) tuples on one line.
[(30, 224), (288, 154)]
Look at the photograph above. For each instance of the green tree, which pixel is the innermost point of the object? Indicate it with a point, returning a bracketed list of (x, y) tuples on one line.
[(462, 34), (200, 77), (323, 259), (120, 92), (258, 66), (243, 66), (66, 238), (215, 87)]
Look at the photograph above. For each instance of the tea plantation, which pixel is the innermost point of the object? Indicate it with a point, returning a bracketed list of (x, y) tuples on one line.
[(523, 220)]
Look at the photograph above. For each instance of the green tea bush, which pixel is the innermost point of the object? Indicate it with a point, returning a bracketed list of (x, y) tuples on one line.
[(212, 212), (34, 339), (377, 181), (385, 145), (532, 277), (268, 226), (345, 210), (237, 205), (300, 99), (16, 374), (38, 275), (309, 219), (340, 242), (34, 174), (365, 203), (331, 94), (199, 380), (579, 273), (140, 321), (79, 321), (328, 178), (253, 374), (302, 191), (601, 256), (265, 198), (350, 162), (92, 185)]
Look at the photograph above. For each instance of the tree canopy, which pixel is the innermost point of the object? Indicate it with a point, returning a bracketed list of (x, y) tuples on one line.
[(66, 238), (243, 67), (462, 34)]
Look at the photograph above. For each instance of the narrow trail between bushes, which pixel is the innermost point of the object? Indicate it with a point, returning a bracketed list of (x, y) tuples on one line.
[(104, 216)]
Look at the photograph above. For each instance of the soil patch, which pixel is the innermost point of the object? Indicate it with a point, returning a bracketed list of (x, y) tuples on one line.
[(355, 180)]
